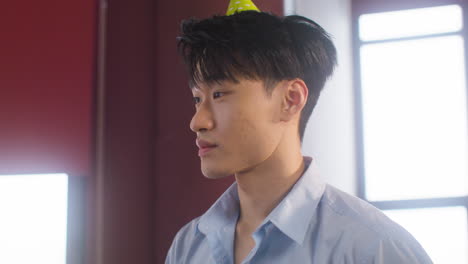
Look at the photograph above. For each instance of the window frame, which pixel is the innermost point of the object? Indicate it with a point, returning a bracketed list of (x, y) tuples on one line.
[(77, 219), (360, 7)]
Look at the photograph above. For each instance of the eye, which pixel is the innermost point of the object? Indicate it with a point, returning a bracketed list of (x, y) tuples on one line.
[(196, 100), (217, 94)]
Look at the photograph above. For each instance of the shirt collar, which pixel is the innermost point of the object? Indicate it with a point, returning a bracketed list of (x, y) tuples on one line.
[(292, 215), (295, 212), (224, 211)]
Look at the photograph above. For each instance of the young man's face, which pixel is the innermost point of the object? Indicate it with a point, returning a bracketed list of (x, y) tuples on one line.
[(241, 120)]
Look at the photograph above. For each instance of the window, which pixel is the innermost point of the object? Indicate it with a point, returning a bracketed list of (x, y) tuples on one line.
[(413, 122), (33, 218)]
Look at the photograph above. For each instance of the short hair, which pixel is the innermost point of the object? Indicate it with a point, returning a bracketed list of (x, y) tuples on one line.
[(259, 46)]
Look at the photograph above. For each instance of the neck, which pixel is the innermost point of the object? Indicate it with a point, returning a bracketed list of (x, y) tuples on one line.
[(263, 187)]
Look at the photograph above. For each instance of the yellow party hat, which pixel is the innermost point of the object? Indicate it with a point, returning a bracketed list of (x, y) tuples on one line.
[(236, 6)]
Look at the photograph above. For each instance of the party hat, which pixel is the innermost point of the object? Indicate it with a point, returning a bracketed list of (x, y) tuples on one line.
[(236, 6)]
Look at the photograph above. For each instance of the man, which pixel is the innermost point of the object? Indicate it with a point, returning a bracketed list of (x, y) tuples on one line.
[(255, 79)]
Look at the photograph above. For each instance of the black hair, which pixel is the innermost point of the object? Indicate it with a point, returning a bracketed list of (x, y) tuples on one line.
[(259, 46)]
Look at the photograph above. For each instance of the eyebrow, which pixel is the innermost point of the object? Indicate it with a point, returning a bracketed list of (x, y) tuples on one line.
[(209, 86)]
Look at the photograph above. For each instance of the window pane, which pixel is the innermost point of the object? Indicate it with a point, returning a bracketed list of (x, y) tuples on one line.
[(442, 232), (412, 22), (33, 219), (414, 119)]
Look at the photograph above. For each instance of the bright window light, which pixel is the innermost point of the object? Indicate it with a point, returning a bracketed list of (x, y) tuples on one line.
[(415, 119), (443, 232), (33, 219), (412, 22)]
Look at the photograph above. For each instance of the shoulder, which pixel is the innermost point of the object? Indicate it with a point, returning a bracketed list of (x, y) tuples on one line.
[(183, 241), (357, 213), (363, 228), (188, 230)]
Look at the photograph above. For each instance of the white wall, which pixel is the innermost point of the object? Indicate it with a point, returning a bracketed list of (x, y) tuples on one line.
[(330, 134)]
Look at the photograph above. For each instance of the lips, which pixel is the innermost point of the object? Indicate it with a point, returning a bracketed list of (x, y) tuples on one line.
[(204, 147), (204, 144)]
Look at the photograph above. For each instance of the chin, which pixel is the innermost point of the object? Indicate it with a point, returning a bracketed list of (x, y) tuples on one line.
[(215, 174)]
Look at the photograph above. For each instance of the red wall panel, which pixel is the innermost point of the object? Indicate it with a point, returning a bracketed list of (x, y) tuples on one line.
[(46, 81), (127, 194), (182, 192)]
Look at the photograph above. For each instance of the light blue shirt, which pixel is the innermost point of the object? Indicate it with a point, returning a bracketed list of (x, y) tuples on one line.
[(314, 223)]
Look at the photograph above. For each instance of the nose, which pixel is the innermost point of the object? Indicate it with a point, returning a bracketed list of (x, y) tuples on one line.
[(202, 120)]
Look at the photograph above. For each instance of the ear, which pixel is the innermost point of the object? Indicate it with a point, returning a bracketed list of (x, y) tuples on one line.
[(294, 99)]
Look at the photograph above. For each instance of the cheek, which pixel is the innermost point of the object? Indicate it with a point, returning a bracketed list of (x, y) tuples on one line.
[(237, 125), (252, 135), (247, 129)]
